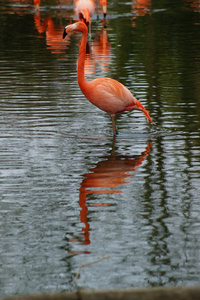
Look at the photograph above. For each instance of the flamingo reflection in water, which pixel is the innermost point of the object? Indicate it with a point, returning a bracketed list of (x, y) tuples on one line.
[(53, 32), (98, 53), (192, 5), (109, 173), (140, 8), (37, 4)]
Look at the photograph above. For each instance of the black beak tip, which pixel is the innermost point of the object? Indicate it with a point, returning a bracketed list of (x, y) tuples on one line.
[(64, 34)]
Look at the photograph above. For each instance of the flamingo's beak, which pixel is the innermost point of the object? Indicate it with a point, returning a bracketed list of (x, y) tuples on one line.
[(70, 28), (64, 33)]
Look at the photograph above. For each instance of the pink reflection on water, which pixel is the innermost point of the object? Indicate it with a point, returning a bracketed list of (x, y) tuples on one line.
[(98, 56), (54, 39), (192, 5), (107, 177), (140, 8)]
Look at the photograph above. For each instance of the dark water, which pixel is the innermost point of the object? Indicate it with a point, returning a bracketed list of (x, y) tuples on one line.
[(70, 194)]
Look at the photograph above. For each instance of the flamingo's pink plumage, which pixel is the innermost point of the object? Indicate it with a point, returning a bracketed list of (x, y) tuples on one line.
[(106, 93)]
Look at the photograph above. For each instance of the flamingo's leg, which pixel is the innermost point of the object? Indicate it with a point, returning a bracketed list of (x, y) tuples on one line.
[(115, 130)]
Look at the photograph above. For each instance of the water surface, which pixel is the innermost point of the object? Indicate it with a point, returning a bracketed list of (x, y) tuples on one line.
[(70, 194)]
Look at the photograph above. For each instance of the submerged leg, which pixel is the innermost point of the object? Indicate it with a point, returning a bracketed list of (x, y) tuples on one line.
[(89, 31), (115, 130)]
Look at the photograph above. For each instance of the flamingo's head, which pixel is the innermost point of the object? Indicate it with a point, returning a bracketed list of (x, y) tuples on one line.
[(78, 26)]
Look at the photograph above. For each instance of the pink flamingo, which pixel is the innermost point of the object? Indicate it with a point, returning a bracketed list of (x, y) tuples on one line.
[(85, 10), (107, 94)]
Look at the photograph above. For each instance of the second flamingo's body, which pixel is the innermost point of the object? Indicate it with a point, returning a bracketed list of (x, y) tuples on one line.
[(85, 10), (106, 93)]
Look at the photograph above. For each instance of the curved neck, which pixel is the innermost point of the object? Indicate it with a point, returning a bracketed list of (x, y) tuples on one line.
[(81, 62)]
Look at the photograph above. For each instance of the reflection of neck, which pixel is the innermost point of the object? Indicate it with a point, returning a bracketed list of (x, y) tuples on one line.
[(81, 63)]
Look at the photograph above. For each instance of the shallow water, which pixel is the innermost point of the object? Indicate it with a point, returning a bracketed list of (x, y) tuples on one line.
[(70, 194)]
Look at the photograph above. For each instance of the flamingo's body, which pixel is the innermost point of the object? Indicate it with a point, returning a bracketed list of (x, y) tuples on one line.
[(107, 94), (85, 10)]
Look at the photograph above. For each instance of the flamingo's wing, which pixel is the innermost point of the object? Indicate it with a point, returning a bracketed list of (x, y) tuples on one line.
[(113, 97)]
